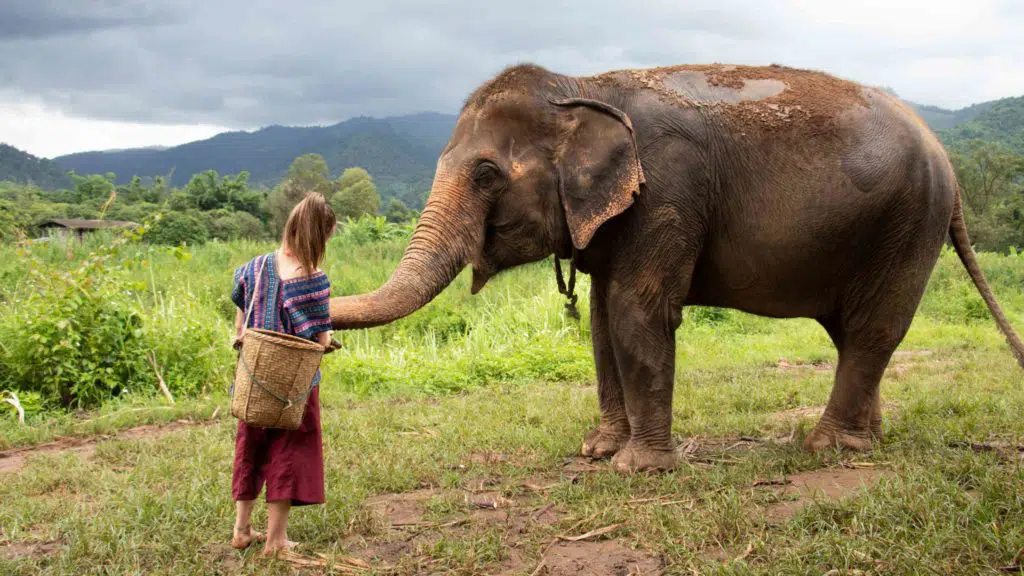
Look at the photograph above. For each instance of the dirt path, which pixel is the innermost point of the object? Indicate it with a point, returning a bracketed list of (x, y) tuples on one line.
[(13, 460)]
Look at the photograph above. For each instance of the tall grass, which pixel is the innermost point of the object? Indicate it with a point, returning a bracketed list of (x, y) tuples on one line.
[(514, 331)]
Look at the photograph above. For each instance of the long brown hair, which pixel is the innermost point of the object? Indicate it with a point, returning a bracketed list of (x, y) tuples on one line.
[(308, 229)]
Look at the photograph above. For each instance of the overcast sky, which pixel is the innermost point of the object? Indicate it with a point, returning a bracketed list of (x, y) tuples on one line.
[(95, 74)]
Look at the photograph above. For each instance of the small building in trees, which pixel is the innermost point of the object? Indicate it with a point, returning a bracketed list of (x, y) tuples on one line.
[(80, 227)]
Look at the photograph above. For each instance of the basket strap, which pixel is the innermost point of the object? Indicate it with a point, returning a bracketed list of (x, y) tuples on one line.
[(288, 401), (255, 294)]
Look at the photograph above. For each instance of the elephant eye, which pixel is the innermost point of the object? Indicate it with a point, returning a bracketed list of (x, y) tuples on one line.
[(486, 175)]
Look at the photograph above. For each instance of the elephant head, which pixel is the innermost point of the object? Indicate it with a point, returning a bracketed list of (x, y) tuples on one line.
[(532, 168)]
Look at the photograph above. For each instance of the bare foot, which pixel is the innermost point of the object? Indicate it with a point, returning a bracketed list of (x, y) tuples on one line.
[(271, 549), (241, 540)]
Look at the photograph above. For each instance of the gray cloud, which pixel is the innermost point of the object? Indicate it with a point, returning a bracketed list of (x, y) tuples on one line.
[(35, 20), (246, 63)]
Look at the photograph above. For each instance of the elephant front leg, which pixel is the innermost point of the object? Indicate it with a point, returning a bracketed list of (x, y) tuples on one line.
[(612, 433), (644, 342)]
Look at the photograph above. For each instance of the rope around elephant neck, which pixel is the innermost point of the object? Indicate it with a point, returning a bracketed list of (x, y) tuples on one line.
[(570, 291)]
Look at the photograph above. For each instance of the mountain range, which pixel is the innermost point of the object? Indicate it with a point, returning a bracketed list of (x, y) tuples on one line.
[(400, 152)]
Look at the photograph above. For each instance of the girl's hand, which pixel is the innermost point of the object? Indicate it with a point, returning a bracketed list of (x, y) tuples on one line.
[(236, 343)]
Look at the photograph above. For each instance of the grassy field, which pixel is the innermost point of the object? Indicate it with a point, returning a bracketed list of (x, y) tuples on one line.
[(451, 439)]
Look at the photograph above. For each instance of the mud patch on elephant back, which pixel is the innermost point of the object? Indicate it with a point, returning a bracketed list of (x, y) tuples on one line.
[(799, 490), (811, 102), (602, 558)]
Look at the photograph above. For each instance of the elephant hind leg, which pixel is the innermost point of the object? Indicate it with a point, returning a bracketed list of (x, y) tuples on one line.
[(853, 417), (870, 322)]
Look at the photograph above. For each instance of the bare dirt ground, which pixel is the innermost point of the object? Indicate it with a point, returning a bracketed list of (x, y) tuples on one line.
[(14, 460), (520, 513), (806, 487), (399, 528)]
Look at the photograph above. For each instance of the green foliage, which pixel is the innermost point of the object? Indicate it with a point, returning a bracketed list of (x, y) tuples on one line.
[(372, 229), (73, 336), (991, 178), (356, 196), (178, 228), (93, 187), (307, 173), (79, 328), (1000, 122), (397, 212), (206, 191)]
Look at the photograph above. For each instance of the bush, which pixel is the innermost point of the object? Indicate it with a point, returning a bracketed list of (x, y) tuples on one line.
[(79, 336), (75, 336), (371, 229), (176, 228)]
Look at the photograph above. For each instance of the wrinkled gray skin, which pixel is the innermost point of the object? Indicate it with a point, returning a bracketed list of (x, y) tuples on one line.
[(775, 191)]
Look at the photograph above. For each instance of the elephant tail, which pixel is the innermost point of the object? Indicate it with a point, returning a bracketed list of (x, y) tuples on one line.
[(962, 245)]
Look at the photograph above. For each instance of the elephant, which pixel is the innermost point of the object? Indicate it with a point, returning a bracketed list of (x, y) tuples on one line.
[(777, 191)]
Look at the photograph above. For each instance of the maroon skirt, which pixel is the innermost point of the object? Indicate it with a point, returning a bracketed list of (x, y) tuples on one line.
[(289, 462)]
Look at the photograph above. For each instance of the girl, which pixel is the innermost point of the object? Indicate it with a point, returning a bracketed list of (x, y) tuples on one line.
[(293, 298)]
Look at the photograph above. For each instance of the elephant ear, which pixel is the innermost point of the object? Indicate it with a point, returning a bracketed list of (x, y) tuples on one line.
[(598, 165)]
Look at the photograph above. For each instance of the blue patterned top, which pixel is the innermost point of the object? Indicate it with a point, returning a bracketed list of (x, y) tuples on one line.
[(301, 305)]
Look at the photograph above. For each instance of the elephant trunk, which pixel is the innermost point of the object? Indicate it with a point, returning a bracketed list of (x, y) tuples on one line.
[(442, 244)]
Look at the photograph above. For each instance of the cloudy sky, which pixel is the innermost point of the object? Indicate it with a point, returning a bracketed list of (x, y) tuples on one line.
[(96, 74)]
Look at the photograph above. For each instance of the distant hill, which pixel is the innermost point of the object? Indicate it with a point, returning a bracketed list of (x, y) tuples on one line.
[(400, 153), (24, 168), (1000, 121), (942, 119)]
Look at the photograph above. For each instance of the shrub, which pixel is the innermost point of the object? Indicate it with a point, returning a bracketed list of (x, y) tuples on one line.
[(371, 229), (81, 335), (176, 228), (73, 336)]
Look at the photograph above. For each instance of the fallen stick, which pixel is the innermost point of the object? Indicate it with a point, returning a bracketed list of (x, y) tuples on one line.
[(780, 482), (543, 510), (591, 534), (160, 378), (584, 521), (426, 525)]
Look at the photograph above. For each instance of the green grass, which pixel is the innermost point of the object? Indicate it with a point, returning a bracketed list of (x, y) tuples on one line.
[(423, 403), (161, 505)]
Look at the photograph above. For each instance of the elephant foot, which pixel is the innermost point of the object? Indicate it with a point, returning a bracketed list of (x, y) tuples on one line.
[(826, 437), (605, 441), (635, 458)]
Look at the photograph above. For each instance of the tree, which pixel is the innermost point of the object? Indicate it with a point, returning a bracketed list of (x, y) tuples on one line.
[(986, 172), (398, 212), (990, 177), (357, 194), (307, 173), (177, 227), (92, 187)]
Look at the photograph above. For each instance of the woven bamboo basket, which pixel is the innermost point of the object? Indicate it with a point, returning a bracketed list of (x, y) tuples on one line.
[(273, 375), (273, 379)]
